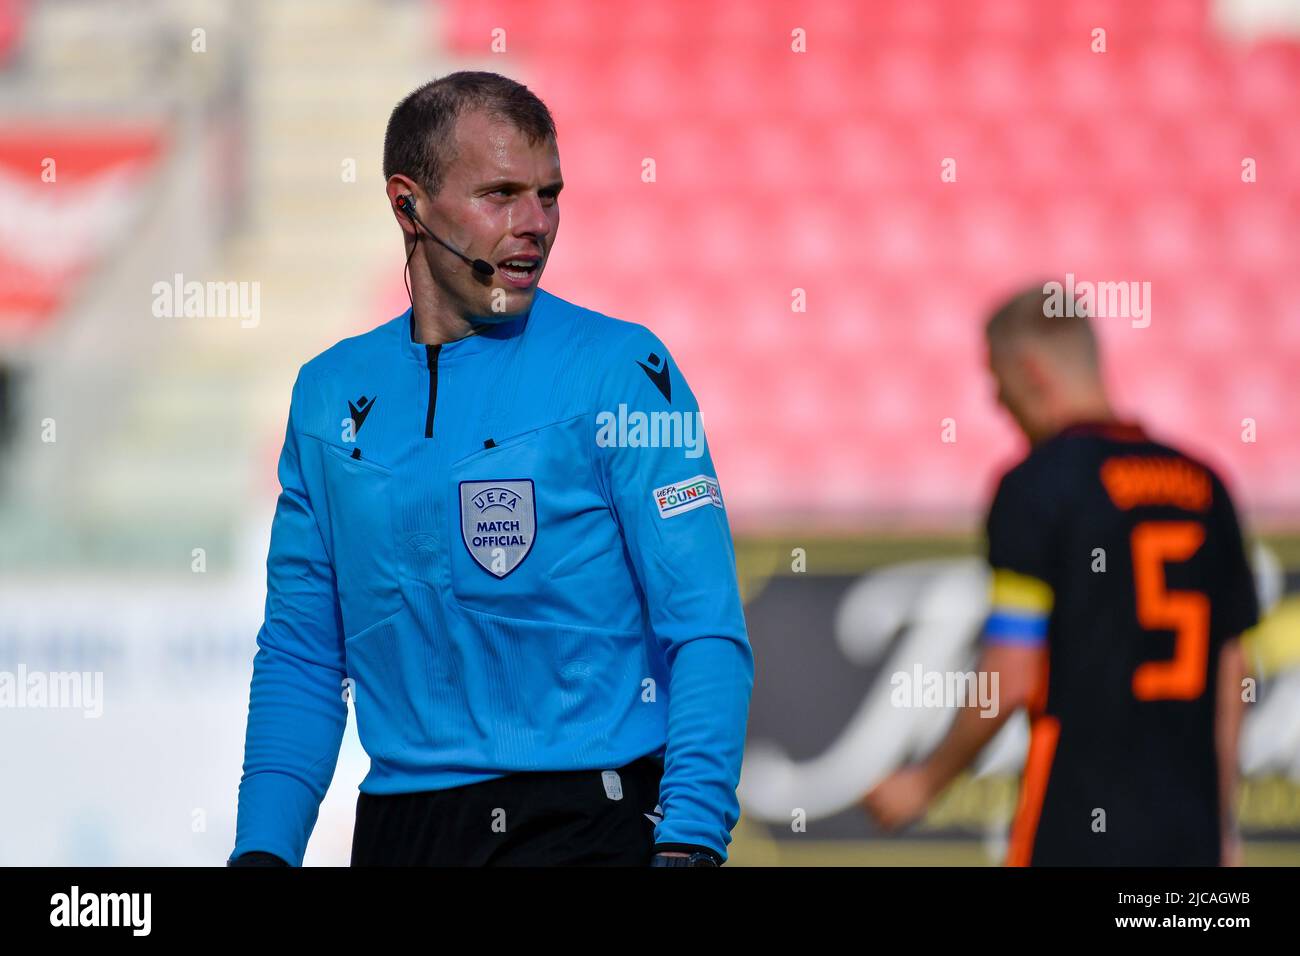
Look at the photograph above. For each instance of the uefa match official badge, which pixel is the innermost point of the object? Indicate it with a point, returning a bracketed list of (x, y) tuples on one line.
[(683, 496), (498, 522)]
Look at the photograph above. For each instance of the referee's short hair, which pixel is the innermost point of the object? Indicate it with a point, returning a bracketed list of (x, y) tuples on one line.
[(419, 141), (1036, 314)]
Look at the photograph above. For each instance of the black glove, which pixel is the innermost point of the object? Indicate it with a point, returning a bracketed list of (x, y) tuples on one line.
[(256, 858), (699, 855)]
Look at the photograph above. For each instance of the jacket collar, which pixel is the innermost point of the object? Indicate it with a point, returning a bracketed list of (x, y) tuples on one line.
[(486, 338), (1116, 430)]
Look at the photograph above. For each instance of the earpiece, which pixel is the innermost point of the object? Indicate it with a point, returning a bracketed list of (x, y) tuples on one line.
[(406, 204)]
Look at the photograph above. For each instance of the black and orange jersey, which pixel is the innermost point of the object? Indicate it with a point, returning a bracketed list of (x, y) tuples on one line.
[(1124, 557)]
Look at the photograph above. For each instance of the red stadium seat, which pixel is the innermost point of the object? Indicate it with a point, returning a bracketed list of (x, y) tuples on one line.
[(821, 171)]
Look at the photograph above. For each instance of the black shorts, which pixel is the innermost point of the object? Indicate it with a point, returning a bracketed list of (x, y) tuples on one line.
[(546, 818)]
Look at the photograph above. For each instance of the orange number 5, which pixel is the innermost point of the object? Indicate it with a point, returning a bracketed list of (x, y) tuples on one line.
[(1186, 613)]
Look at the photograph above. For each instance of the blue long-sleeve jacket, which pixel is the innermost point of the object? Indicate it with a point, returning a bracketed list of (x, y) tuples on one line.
[(511, 551)]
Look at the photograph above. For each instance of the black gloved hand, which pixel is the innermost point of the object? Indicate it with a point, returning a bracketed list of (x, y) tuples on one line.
[(256, 858)]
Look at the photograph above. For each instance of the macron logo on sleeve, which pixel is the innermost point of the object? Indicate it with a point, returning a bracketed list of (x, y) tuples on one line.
[(657, 372), (683, 496)]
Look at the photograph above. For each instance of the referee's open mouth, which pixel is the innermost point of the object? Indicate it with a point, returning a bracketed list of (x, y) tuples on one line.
[(520, 271)]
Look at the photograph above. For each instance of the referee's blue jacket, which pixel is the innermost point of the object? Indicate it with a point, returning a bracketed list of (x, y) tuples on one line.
[(511, 553)]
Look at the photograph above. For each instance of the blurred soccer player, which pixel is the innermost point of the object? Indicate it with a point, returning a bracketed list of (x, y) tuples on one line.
[(1119, 589)]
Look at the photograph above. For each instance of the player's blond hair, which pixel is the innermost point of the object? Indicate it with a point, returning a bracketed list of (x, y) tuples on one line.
[(1031, 315)]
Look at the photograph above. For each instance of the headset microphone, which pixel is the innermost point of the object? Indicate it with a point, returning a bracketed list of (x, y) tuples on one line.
[(407, 205)]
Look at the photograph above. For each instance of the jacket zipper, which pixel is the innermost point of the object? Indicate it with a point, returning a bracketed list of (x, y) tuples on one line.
[(431, 351)]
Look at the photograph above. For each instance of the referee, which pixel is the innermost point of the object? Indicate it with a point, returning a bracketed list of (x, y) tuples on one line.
[(501, 536)]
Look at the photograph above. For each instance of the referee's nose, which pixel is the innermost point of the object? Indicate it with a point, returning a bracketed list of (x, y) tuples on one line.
[(530, 218)]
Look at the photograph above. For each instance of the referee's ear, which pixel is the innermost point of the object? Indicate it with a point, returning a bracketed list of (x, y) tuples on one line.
[(398, 186)]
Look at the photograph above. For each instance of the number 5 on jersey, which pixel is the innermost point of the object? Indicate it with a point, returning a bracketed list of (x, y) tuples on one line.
[(1186, 613)]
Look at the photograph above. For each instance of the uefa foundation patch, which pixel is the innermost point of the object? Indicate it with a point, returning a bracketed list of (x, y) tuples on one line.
[(683, 496)]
